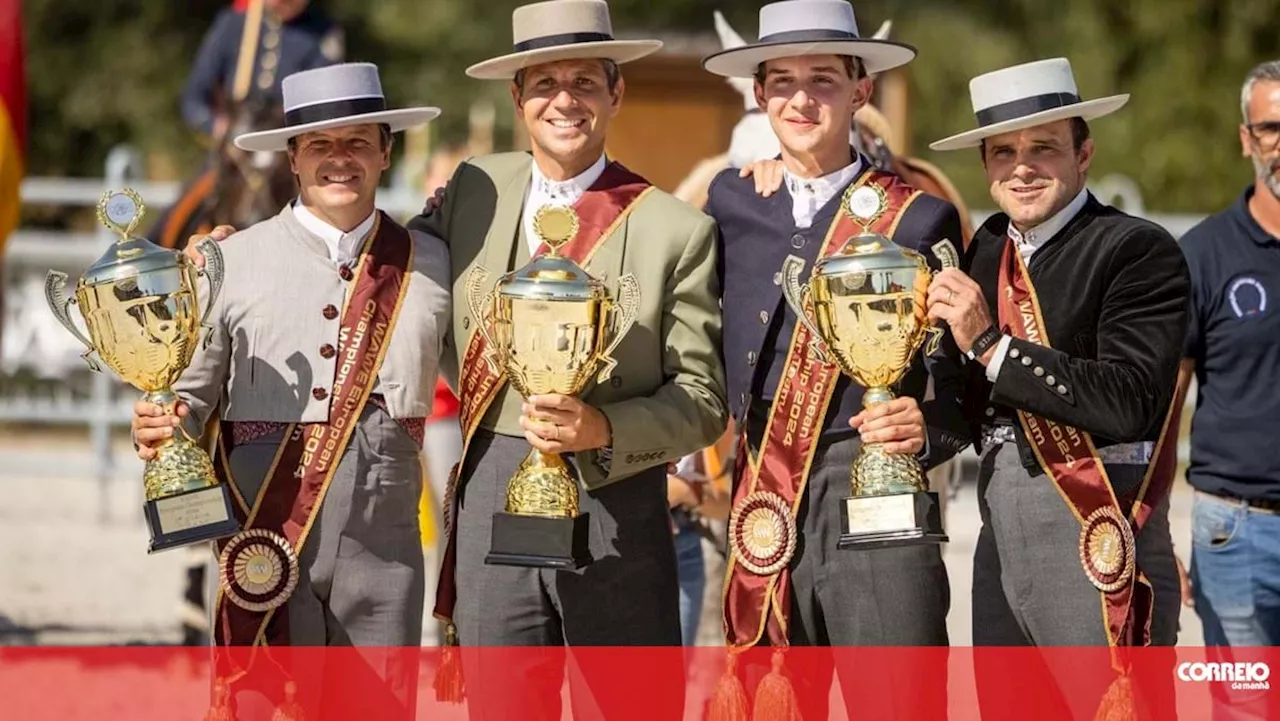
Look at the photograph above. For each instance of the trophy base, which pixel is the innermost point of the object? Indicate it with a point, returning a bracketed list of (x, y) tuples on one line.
[(184, 519), (896, 519), (539, 542)]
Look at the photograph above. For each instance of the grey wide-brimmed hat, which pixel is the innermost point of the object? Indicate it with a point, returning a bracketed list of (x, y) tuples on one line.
[(1024, 96), (562, 30), (331, 97), (793, 28)]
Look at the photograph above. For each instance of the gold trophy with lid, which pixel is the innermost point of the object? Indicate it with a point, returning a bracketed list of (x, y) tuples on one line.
[(868, 318), (139, 304), (551, 328)]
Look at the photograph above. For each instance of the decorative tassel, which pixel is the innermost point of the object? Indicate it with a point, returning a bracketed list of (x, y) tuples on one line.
[(1117, 703), (728, 701), (290, 710), (776, 697), (448, 682), (219, 709)]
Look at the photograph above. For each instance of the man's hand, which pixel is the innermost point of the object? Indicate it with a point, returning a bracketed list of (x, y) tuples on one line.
[(1187, 591), (898, 425), (220, 233), (957, 300), (767, 174), (152, 427), (563, 424)]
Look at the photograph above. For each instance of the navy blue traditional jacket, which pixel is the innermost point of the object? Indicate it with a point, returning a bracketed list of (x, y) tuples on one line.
[(756, 236)]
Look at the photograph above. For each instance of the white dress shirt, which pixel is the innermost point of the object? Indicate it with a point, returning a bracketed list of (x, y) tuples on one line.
[(544, 191), (808, 195), (343, 247), (1027, 244)]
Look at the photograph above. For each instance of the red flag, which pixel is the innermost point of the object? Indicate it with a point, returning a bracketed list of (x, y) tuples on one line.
[(13, 115)]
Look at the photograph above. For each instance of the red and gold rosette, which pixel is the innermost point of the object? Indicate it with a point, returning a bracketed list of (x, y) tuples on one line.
[(259, 570), (762, 533), (1107, 549)]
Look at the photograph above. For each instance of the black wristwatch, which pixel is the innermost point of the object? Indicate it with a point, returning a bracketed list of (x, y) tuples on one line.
[(984, 341)]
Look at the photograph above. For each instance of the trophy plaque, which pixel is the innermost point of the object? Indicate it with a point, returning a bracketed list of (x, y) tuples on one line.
[(550, 327), (138, 302), (869, 319)]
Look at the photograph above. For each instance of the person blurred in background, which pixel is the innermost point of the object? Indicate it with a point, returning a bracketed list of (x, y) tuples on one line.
[(1233, 351)]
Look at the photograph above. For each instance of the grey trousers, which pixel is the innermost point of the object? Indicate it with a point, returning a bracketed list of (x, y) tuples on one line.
[(627, 596), (1030, 589), (362, 578), (895, 596)]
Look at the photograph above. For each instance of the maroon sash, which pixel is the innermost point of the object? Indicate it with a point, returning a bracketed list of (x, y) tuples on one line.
[(757, 600), (601, 209), (1069, 457), (291, 495)]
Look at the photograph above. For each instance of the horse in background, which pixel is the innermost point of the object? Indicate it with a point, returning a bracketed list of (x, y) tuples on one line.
[(236, 187)]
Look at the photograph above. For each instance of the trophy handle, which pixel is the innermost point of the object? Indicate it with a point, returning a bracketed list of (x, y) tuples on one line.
[(946, 254), (477, 301), (796, 294), (215, 271), (55, 293), (628, 310)]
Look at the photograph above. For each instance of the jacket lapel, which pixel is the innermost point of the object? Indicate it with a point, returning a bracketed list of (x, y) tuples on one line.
[(503, 231)]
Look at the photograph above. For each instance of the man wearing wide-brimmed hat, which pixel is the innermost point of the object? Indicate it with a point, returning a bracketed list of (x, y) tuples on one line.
[(320, 368), (664, 400), (1073, 314), (812, 72)]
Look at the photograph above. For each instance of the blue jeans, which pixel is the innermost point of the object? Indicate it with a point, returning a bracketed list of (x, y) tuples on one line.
[(692, 575), (1235, 572)]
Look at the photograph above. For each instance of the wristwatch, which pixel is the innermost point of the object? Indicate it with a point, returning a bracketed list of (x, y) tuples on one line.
[(984, 341)]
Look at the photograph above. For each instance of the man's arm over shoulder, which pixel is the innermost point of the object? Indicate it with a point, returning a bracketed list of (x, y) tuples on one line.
[(688, 412), (1142, 325), (437, 211), (431, 261)]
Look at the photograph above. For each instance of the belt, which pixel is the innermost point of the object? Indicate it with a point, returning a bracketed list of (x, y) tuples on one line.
[(1264, 505), (1138, 454)]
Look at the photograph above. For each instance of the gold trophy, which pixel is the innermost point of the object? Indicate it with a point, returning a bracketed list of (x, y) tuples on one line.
[(550, 326), (868, 304), (139, 303)]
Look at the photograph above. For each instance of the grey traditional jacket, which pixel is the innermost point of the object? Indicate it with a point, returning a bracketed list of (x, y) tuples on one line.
[(271, 355)]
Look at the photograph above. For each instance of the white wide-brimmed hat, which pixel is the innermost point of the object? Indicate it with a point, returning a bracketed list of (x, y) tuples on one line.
[(793, 28), (562, 30), (1024, 96), (331, 97)]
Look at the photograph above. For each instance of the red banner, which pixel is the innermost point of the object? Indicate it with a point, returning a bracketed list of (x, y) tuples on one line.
[(13, 115), (167, 683)]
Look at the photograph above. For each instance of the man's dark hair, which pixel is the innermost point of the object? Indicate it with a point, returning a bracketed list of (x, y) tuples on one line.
[(612, 74), (1079, 134), (384, 138), (852, 66)]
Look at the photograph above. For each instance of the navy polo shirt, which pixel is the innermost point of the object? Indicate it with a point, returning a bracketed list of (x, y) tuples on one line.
[(1234, 339)]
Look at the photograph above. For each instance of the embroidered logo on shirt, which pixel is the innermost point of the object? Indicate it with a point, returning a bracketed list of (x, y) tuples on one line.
[(1247, 296)]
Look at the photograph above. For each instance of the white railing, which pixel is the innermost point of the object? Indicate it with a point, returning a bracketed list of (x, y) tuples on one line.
[(34, 343)]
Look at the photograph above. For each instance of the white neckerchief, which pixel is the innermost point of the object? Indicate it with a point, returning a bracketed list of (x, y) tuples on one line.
[(343, 247), (544, 191), (808, 195), (1029, 242)]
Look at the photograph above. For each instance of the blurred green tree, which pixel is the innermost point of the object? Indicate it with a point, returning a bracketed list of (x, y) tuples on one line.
[(112, 70)]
